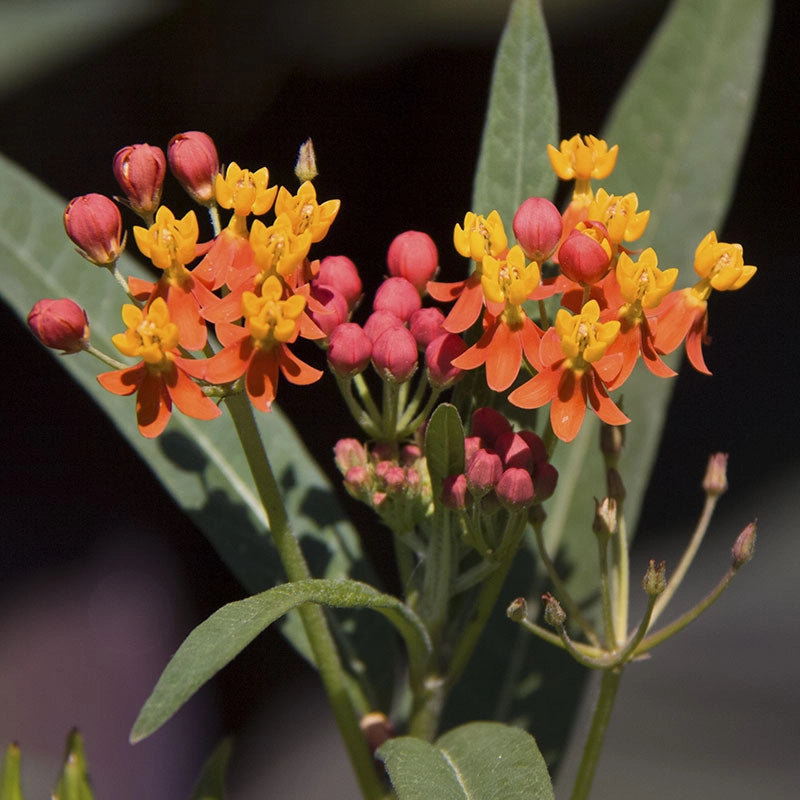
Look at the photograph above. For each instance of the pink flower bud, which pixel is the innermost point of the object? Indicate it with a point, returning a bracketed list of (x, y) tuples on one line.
[(439, 355), (335, 310), (60, 324), (357, 479), (349, 453), (514, 451), (489, 424), (380, 321), (538, 226), (454, 492), (744, 546), (140, 170), (397, 296), (471, 446), (94, 224), (341, 273), (715, 481), (425, 325), (394, 355), (395, 478), (515, 488), (194, 162), (412, 255), (409, 453), (582, 258), (483, 471), (349, 349)]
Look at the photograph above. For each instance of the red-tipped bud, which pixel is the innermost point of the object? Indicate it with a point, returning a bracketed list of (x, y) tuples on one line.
[(655, 579), (545, 478), (357, 479), (394, 355), (537, 226), (140, 170), (515, 489), (412, 255), (483, 471), (397, 296), (425, 325), (341, 273), (715, 481), (193, 159), (553, 613), (454, 492), (439, 355), (409, 454), (744, 546), (489, 425), (380, 321), (349, 453), (517, 610), (60, 324), (334, 308), (94, 224), (349, 349), (583, 258)]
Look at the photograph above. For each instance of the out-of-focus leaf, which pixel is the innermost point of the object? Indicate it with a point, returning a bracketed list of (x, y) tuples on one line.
[(211, 783), (521, 119), (201, 464), (73, 782), (478, 761), (10, 788), (444, 447), (215, 642)]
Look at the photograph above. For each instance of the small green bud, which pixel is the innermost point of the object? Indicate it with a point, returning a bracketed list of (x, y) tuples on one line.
[(655, 579), (554, 615), (744, 546), (517, 610)]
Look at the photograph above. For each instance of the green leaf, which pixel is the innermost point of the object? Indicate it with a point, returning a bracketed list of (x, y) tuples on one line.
[(478, 761), (10, 788), (521, 119), (215, 642), (444, 447), (201, 464), (73, 783), (211, 783)]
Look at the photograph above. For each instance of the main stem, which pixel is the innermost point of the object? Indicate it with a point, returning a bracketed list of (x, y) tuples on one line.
[(594, 743), (323, 647)]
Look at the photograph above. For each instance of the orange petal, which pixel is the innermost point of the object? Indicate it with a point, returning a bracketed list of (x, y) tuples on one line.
[(603, 405), (445, 292), (531, 338), (229, 364), (694, 346), (140, 289), (189, 397), (262, 379), (153, 405), (568, 407), (538, 391), (297, 371), (123, 381), (503, 358), (227, 309), (185, 313), (467, 308)]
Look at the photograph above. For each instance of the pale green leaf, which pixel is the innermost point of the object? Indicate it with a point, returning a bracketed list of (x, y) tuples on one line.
[(478, 761), (521, 119), (211, 782), (444, 447), (215, 642), (10, 788)]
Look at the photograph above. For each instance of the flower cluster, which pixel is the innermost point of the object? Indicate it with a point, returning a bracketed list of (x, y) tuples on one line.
[(616, 303)]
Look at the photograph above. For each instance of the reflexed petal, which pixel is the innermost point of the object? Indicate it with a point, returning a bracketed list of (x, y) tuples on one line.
[(694, 346), (538, 391), (123, 382), (467, 308), (189, 397), (153, 406), (603, 405), (262, 379), (297, 371), (184, 311), (229, 364), (568, 407), (503, 358)]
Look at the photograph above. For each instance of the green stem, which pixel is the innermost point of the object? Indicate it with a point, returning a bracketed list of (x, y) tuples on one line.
[(605, 592), (101, 356), (323, 647), (369, 424), (594, 743), (620, 577)]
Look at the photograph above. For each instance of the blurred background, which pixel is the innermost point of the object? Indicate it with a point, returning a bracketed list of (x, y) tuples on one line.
[(101, 577)]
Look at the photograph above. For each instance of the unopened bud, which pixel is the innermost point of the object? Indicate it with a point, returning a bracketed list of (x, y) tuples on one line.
[(515, 489), (375, 726), (517, 610), (605, 517), (425, 325), (394, 355), (454, 492), (60, 324), (412, 255), (554, 615), (334, 309), (545, 478), (537, 226), (612, 440), (349, 349), (397, 296), (744, 546), (655, 579), (715, 481), (583, 258), (306, 166), (140, 170), (193, 159), (94, 224), (483, 471), (439, 355), (349, 453), (489, 424), (341, 273)]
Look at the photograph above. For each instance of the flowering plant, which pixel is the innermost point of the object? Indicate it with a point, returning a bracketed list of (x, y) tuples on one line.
[(482, 494)]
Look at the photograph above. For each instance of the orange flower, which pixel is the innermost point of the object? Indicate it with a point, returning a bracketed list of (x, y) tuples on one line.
[(259, 350), (575, 372), (163, 376)]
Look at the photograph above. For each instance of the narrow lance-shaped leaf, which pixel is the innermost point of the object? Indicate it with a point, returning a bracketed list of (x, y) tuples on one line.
[(215, 642), (478, 761), (211, 782), (10, 788)]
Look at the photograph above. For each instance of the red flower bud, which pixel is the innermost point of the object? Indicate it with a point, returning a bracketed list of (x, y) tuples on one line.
[(341, 273), (380, 321), (335, 310), (489, 425), (194, 162), (349, 349), (535, 445), (140, 170), (483, 471), (537, 226), (439, 355), (349, 453), (425, 325), (454, 492), (412, 255), (394, 355), (60, 324), (514, 451), (545, 478), (582, 258), (94, 223), (515, 488), (397, 296)]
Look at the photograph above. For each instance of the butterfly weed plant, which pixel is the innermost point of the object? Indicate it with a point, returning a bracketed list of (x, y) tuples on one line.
[(509, 415)]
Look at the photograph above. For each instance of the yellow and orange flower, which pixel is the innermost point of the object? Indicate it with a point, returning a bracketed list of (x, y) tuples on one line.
[(575, 372), (305, 213), (162, 376)]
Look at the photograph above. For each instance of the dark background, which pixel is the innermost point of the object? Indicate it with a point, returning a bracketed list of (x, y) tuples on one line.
[(394, 100)]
